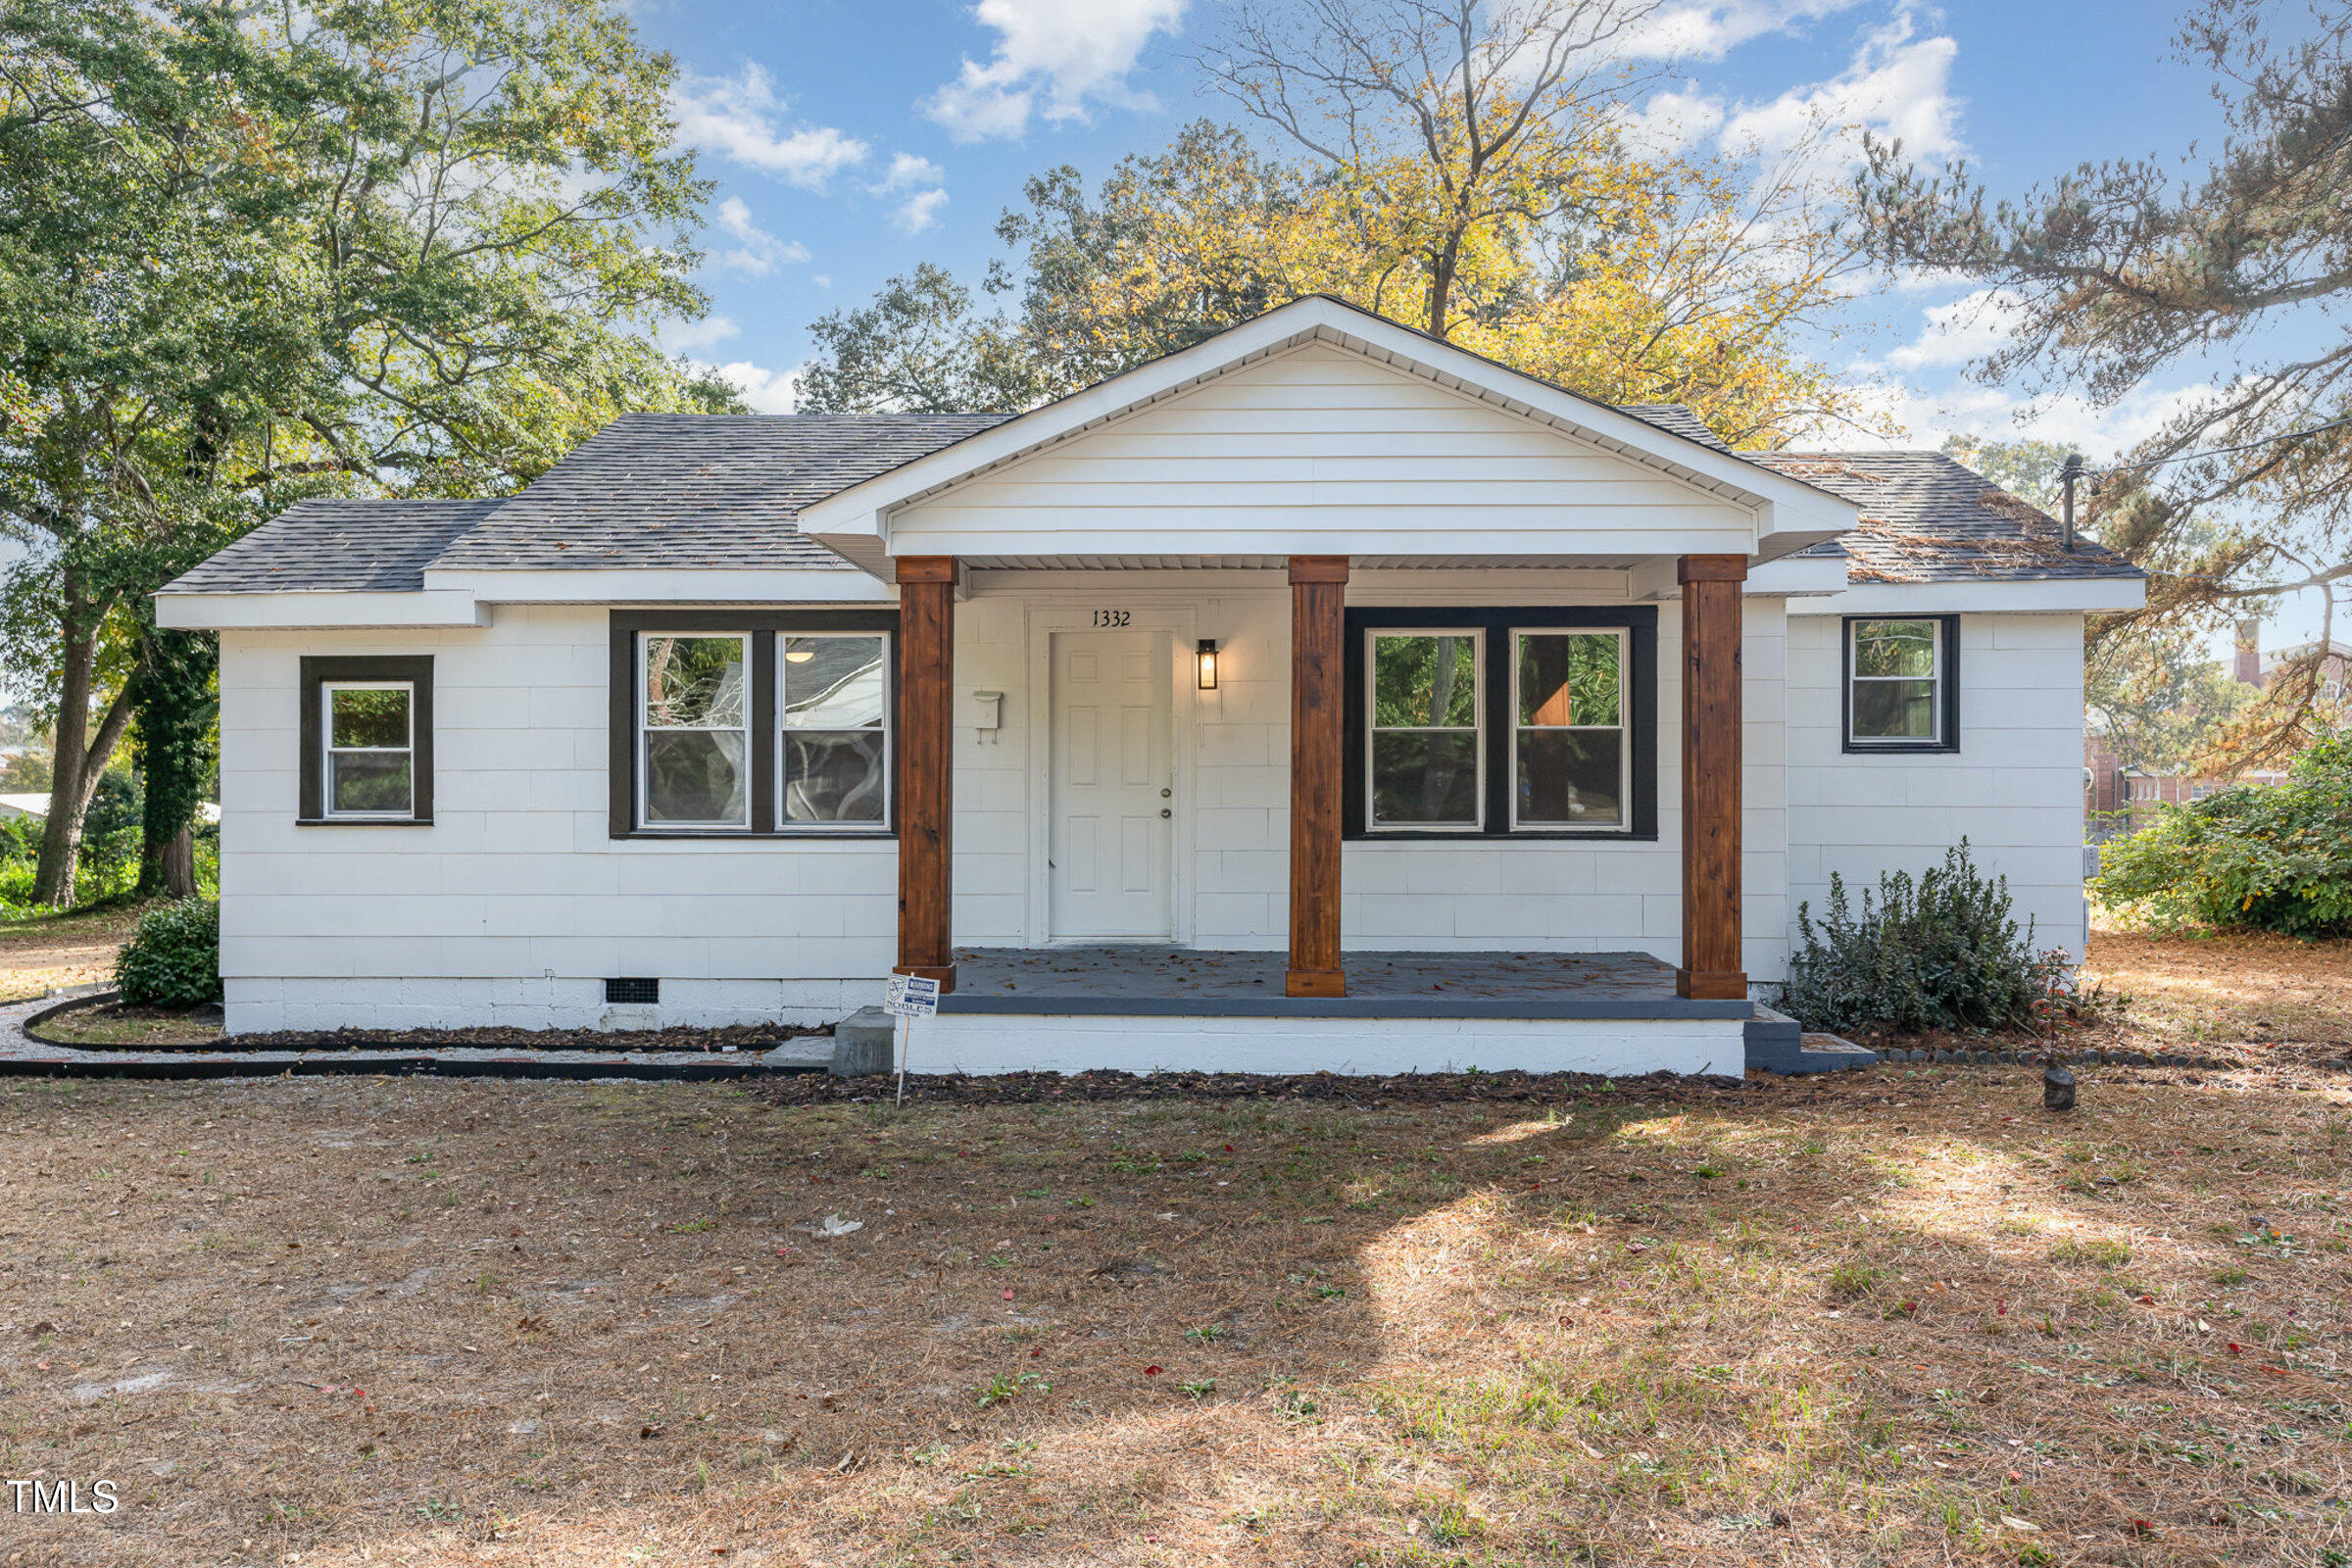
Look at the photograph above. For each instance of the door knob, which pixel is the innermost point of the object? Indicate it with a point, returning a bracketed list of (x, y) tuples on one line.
[(1164, 793), (1165, 813)]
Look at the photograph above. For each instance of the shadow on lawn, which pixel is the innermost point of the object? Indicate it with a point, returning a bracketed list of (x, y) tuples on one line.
[(1616, 1325)]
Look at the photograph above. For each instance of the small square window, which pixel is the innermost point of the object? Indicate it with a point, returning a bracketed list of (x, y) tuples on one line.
[(366, 739), (1899, 687)]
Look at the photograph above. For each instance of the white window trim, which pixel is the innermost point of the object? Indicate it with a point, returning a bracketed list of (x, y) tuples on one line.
[(329, 750), (1624, 728), (645, 822), (1476, 730), (784, 726), (1855, 678)]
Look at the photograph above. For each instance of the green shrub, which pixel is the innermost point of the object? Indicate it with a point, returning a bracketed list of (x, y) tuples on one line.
[(173, 958), (2275, 856), (1939, 952)]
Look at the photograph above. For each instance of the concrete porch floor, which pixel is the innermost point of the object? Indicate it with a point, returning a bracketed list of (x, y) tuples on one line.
[(1159, 981)]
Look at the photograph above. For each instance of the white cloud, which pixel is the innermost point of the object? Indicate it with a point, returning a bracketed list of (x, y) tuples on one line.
[(1964, 331), (694, 337), (918, 212), (924, 181), (1928, 417), (764, 390), (1711, 28), (741, 117), (756, 251), (907, 171), (1897, 84), (1052, 57), (1673, 120)]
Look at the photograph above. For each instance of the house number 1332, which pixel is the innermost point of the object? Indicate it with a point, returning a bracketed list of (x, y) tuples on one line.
[(1110, 617)]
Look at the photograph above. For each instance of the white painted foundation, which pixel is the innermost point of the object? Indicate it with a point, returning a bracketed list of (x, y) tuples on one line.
[(269, 1005), (1625, 1048)]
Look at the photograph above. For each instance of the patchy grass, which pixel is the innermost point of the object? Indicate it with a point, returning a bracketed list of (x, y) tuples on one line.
[(434, 1322), (135, 1028), (49, 951)]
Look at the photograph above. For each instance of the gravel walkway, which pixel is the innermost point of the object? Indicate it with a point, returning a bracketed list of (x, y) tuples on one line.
[(21, 1053)]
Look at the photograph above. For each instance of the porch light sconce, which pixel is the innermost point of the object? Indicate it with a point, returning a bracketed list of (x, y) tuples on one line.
[(1207, 662)]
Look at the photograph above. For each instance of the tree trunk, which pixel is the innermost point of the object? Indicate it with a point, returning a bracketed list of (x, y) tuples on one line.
[(78, 761), (180, 866)]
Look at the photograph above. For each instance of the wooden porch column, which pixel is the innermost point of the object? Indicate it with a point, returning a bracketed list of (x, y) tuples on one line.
[(1711, 721), (1318, 708), (926, 769)]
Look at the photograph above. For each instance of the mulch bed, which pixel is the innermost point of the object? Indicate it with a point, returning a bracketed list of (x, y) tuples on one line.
[(741, 1037), (1367, 1091)]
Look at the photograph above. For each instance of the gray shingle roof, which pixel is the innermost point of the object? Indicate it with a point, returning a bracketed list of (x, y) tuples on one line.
[(701, 491), (1678, 418), (338, 546), (1929, 519)]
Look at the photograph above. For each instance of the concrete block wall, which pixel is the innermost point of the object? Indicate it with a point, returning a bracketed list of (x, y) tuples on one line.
[(2013, 788)]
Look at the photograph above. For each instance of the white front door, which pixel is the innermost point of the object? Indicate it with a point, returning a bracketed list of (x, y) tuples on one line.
[(1115, 783)]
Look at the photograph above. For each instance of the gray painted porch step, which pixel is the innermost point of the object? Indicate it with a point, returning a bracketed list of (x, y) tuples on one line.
[(1778, 1044)]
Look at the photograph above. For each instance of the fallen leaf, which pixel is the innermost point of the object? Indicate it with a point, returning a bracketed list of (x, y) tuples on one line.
[(2015, 1523)]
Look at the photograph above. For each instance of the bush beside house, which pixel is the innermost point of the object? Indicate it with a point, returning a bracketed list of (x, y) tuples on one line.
[(2271, 858), (173, 958), (1940, 951)]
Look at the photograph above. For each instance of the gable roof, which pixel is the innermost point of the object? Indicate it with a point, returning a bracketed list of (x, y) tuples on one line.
[(338, 546), (1789, 512), (1926, 517), (699, 491)]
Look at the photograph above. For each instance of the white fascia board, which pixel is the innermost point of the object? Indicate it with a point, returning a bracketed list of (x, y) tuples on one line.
[(297, 607), (2044, 596), (1793, 576), (1784, 504), (656, 585)]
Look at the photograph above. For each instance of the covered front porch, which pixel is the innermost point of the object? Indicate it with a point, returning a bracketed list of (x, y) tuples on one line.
[(1319, 973)]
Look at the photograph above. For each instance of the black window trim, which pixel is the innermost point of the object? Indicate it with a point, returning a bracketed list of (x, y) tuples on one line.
[(1947, 663), (317, 671), (1496, 624), (763, 626)]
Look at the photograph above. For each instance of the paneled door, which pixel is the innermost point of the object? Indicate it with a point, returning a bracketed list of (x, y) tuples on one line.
[(1114, 779)]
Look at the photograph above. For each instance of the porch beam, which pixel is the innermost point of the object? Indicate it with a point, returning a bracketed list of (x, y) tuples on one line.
[(1318, 708), (925, 767), (1712, 967)]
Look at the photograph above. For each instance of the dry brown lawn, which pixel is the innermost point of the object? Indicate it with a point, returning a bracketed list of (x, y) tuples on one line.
[(2236, 987), (1902, 1317), (56, 951)]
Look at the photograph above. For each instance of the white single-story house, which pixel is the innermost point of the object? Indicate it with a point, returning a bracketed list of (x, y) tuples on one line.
[(1321, 696)]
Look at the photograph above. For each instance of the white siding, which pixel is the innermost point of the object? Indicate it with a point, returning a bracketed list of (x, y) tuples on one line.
[(1321, 450), (2013, 788)]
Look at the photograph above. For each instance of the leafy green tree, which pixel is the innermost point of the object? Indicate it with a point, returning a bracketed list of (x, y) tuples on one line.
[(2028, 470), (2165, 704), (2118, 273), (177, 710), (250, 254)]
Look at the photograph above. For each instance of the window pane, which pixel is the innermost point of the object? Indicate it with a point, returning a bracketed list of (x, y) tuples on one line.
[(695, 776), (1571, 778), (1894, 648), (1572, 679), (1894, 709), (833, 682), (1421, 681), (367, 781), (833, 776), (694, 681), (1424, 778), (370, 717)]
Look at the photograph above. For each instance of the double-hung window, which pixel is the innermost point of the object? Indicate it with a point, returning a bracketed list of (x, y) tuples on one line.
[(754, 722), (835, 765), (1535, 723), (695, 730), (366, 739), (1572, 768), (371, 749), (1426, 763), (1901, 687)]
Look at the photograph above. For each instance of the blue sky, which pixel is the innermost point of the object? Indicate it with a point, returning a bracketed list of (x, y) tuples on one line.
[(850, 141)]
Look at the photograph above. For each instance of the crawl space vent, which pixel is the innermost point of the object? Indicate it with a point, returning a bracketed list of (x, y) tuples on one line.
[(632, 989)]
